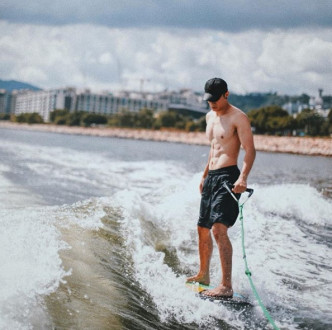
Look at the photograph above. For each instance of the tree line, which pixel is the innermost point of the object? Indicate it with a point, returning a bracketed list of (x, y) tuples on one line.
[(30, 118), (145, 118), (272, 120)]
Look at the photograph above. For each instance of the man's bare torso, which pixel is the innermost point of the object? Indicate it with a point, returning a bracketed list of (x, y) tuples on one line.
[(222, 133)]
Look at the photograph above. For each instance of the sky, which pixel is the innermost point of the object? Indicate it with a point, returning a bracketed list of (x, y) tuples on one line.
[(152, 45)]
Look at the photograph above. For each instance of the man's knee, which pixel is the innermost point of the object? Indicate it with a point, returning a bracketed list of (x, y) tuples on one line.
[(203, 232), (219, 231)]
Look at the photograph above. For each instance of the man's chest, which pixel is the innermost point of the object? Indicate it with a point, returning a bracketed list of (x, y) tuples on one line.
[(220, 129)]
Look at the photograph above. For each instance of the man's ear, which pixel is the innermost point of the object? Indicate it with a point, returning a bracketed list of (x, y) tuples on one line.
[(226, 95)]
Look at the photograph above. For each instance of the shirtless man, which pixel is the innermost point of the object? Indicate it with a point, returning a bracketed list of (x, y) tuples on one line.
[(227, 129)]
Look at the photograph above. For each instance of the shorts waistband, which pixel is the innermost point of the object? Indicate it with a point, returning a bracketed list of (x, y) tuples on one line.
[(224, 170)]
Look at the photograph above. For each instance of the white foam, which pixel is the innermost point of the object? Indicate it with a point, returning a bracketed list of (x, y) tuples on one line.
[(158, 279), (294, 201), (281, 252), (31, 266), (86, 214), (277, 250), (67, 165)]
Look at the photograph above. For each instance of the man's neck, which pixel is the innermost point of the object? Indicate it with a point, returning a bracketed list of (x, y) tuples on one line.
[(223, 110)]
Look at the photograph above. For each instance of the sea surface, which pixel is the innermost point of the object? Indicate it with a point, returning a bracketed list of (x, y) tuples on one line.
[(100, 233)]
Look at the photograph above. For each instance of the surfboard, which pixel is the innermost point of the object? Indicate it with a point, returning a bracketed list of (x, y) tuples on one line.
[(237, 298)]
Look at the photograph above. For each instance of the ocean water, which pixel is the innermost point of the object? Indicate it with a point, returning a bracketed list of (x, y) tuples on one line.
[(100, 233)]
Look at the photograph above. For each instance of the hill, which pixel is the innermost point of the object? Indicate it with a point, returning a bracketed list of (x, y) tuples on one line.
[(10, 85), (257, 100)]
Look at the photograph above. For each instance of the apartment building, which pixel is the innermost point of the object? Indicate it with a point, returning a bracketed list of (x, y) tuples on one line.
[(109, 104), (45, 101)]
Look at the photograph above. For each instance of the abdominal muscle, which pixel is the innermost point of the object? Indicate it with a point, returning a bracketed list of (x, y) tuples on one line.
[(225, 142), (224, 153)]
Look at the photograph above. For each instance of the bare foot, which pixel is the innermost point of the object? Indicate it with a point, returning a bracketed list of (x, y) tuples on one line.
[(202, 279), (219, 291)]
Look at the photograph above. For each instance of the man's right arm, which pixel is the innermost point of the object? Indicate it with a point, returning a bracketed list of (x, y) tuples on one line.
[(206, 169), (205, 173)]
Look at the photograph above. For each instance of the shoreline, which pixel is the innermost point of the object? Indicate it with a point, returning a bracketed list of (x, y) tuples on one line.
[(312, 146)]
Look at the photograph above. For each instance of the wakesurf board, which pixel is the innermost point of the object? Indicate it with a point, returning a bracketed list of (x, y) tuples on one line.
[(198, 288)]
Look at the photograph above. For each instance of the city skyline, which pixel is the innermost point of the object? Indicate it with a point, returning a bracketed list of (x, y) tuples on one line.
[(256, 46), (318, 92)]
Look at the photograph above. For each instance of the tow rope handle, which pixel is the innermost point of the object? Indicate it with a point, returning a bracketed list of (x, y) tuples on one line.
[(229, 188)]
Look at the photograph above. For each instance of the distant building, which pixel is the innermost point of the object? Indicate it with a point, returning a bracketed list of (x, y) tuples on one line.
[(294, 108), (186, 102), (315, 103), (108, 104), (3, 100), (7, 102), (43, 102)]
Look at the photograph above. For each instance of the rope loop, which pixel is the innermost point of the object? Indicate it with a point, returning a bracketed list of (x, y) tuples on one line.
[(248, 272)]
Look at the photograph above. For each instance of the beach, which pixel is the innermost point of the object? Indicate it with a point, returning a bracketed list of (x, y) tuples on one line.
[(315, 146)]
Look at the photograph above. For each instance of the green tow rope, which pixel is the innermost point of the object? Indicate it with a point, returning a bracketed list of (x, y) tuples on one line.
[(247, 271)]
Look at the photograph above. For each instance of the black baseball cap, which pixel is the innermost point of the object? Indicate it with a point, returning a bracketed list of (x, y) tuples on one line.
[(214, 88)]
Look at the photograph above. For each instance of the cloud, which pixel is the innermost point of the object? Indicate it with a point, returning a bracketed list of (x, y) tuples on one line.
[(292, 61), (297, 60), (227, 15)]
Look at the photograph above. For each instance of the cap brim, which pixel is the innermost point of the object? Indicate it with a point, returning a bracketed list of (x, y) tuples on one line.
[(210, 97)]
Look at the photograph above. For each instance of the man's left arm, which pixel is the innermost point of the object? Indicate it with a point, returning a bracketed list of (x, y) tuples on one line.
[(247, 141)]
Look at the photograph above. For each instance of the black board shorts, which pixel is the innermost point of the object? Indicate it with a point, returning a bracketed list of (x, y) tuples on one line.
[(217, 204)]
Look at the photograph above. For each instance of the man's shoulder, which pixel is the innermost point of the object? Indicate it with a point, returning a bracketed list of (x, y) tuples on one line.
[(209, 115), (239, 117), (237, 111)]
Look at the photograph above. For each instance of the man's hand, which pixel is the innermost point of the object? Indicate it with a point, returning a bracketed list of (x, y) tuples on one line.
[(201, 185), (240, 186)]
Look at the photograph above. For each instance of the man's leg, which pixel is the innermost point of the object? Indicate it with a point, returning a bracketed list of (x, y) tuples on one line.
[(205, 246), (225, 252)]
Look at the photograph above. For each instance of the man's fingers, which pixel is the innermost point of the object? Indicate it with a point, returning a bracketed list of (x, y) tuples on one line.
[(239, 189)]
